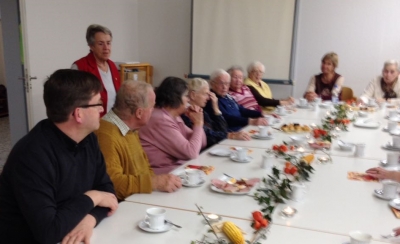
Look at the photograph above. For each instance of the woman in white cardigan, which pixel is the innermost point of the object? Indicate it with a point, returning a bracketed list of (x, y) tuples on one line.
[(385, 87)]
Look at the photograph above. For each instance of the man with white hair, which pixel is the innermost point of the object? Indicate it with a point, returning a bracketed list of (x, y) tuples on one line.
[(235, 115), (126, 161)]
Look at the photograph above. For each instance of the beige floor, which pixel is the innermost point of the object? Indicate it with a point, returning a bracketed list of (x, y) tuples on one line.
[(5, 141)]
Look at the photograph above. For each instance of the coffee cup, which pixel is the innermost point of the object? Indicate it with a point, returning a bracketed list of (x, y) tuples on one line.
[(267, 161), (280, 109), (371, 101), (155, 218), (270, 119), (192, 176), (241, 153), (392, 125), (359, 237), (360, 150), (317, 100), (392, 158), (263, 130), (303, 101), (393, 114), (389, 188), (396, 141), (298, 191)]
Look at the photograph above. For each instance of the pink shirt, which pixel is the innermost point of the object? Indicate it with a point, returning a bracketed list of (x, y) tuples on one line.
[(167, 141), (245, 98)]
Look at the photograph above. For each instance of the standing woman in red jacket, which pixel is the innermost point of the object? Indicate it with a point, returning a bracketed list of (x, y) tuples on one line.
[(98, 63)]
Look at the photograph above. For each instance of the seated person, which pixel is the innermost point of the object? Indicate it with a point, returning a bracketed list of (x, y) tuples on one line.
[(166, 139), (54, 186), (118, 136), (240, 92), (327, 83), (217, 129), (235, 115), (260, 89), (385, 87)]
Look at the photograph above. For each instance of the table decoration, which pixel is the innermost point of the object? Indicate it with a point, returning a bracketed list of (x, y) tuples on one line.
[(337, 118), (288, 211), (233, 233)]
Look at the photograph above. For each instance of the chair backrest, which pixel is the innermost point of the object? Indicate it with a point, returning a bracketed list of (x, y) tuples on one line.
[(347, 93)]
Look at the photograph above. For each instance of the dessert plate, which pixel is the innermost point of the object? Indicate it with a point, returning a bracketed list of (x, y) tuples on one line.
[(257, 136), (245, 160), (367, 124), (222, 152)]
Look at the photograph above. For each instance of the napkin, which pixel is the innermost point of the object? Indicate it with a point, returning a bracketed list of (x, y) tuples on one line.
[(361, 177), (396, 212), (206, 169)]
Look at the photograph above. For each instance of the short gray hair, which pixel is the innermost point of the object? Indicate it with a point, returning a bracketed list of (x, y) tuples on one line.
[(196, 84), (392, 62), (254, 65), (217, 73), (92, 30), (131, 96), (233, 68)]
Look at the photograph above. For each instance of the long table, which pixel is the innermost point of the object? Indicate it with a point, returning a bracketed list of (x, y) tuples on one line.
[(333, 206)]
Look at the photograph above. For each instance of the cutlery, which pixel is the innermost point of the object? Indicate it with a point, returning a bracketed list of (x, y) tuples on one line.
[(276, 128), (379, 192), (228, 175), (393, 234), (169, 222)]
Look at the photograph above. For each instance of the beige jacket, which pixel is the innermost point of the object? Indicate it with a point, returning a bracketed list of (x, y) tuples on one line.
[(373, 90)]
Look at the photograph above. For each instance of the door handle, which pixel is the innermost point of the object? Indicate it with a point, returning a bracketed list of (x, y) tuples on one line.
[(32, 78)]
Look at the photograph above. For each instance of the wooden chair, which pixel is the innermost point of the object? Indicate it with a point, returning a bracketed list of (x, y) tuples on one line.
[(347, 93)]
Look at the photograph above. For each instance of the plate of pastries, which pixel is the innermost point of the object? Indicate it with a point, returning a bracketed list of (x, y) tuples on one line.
[(295, 128)]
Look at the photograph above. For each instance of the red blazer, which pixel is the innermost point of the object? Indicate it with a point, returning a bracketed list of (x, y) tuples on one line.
[(88, 64)]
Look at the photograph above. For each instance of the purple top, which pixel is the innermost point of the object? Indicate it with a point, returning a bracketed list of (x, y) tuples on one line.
[(167, 141)]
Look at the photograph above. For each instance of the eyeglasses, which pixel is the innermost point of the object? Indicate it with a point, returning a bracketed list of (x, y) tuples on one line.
[(91, 105)]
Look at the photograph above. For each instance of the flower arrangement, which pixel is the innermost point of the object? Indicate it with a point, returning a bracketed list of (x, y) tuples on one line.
[(321, 134), (337, 118)]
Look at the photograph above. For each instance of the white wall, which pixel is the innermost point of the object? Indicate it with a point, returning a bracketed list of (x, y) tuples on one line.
[(364, 33), (164, 36), (2, 70)]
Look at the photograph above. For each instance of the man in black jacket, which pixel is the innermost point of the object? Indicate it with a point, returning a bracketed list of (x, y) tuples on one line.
[(54, 186)]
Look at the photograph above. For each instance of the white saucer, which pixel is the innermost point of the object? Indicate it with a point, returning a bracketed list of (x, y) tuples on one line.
[(184, 183), (381, 196), (282, 114), (257, 136), (389, 146), (246, 160), (145, 227), (395, 203), (394, 119), (395, 132), (325, 104), (222, 152), (303, 106)]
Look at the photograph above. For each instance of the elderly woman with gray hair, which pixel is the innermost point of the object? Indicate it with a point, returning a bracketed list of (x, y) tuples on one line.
[(235, 115), (98, 63), (240, 92), (385, 87), (216, 129), (260, 89)]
